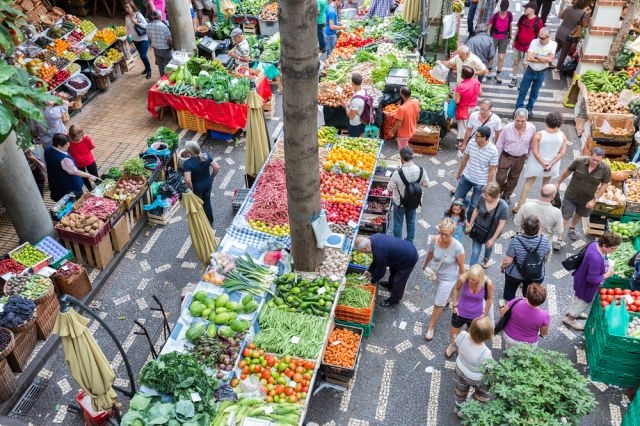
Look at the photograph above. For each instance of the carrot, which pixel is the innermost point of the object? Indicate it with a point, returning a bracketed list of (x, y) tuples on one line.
[(342, 348)]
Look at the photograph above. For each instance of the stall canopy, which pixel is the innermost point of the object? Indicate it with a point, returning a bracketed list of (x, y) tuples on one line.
[(257, 149), (86, 361), (203, 237)]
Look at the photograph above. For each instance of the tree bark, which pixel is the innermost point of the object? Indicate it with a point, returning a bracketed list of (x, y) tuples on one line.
[(299, 62), (182, 33), (20, 195), (621, 37)]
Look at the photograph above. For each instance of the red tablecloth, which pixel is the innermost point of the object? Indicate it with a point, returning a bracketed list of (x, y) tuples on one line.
[(226, 113)]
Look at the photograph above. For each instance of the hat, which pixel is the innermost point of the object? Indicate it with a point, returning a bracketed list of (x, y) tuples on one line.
[(235, 32), (531, 5)]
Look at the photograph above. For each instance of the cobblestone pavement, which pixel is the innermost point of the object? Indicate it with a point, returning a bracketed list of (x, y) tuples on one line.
[(400, 378)]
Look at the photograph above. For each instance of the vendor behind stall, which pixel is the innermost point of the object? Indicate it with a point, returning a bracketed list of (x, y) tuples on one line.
[(64, 176), (240, 51)]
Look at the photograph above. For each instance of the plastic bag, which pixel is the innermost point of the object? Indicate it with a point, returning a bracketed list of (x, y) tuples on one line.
[(321, 229), (625, 97), (617, 318), (439, 72), (448, 26), (605, 128), (430, 274), (250, 388)]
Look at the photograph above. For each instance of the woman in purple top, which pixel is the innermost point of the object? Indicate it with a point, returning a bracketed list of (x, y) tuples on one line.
[(472, 297), (528, 320), (587, 279)]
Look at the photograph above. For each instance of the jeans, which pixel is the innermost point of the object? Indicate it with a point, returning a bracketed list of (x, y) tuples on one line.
[(143, 47), (476, 248), (330, 42), (399, 214), (205, 196), (321, 44), (471, 16), (464, 186), (533, 79)]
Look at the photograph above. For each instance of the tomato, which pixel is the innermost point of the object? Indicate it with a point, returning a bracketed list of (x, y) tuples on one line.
[(246, 369), (282, 366), (276, 399), (604, 303), (637, 302), (603, 290), (246, 352), (633, 308), (279, 389), (303, 395), (289, 374), (251, 346), (269, 399), (242, 363), (617, 291), (635, 293), (609, 297), (282, 380), (264, 383), (300, 369), (293, 365), (298, 387), (243, 376), (288, 391), (256, 368), (309, 365), (265, 374), (297, 377), (610, 291), (305, 388), (306, 376), (271, 380), (626, 291), (292, 398), (287, 359)]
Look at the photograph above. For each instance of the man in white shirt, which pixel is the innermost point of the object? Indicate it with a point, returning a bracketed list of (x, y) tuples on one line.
[(464, 56), (539, 56), (483, 117), (355, 106)]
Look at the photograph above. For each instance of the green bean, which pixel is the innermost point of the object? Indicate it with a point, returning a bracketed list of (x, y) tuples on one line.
[(355, 296), (279, 326)]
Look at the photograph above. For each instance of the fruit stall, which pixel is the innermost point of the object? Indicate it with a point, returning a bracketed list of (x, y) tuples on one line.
[(256, 337), (206, 96)]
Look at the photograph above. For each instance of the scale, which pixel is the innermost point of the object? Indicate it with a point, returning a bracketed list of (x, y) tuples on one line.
[(396, 78), (208, 45), (63, 206), (335, 241)]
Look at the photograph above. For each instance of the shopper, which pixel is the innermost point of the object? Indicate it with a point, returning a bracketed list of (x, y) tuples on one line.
[(549, 215), (136, 27), (518, 265), (466, 97), (445, 257), (544, 7), (332, 25), (37, 169), (590, 179), (514, 145), (64, 176), (473, 6), (355, 106), (547, 150), (159, 5), (472, 353), (53, 124), (399, 255), (322, 17), (500, 31), (202, 6), (381, 8), (539, 56), (527, 29), (463, 56), (240, 52), (478, 166), (80, 147), (457, 213), (483, 117), (574, 18), (590, 275), (412, 174), (481, 44), (160, 40), (472, 296), (406, 118), (486, 223), (528, 321), (199, 172)]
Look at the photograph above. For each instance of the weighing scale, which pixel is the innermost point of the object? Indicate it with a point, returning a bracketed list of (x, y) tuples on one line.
[(335, 241), (208, 45), (63, 206), (396, 78)]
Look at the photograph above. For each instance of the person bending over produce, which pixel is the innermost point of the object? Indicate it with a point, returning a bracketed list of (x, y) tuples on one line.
[(199, 171), (399, 255), (64, 175), (80, 148), (590, 275)]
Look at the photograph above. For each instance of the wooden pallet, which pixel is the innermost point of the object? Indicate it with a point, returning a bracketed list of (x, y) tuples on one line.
[(165, 217), (278, 82), (97, 256), (594, 225), (129, 64)]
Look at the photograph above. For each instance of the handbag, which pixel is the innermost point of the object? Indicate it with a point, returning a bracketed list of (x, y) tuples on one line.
[(502, 322), (573, 262), (139, 30), (481, 234)]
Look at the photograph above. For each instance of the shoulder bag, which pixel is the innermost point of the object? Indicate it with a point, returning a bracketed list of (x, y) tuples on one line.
[(480, 233), (576, 33), (502, 322), (138, 29), (573, 262)]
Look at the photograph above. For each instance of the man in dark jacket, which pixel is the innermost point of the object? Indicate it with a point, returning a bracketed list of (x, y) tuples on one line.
[(481, 45), (399, 255)]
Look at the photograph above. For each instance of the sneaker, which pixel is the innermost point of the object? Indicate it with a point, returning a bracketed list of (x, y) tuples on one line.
[(486, 263), (498, 78), (573, 323), (501, 303), (451, 349), (557, 245), (573, 234), (583, 316), (515, 209), (514, 82), (530, 117)]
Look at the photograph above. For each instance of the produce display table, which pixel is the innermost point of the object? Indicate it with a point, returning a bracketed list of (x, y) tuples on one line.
[(231, 115)]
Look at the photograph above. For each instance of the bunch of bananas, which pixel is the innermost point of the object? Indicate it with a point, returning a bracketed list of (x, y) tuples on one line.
[(457, 6), (327, 135), (604, 81), (619, 165)]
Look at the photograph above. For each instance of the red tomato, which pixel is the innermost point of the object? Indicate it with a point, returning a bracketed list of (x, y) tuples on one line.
[(306, 376), (609, 297), (617, 291), (604, 303), (265, 374), (297, 377), (633, 308), (243, 376), (635, 293), (610, 291), (626, 291), (309, 365), (246, 370), (603, 290), (246, 352), (257, 368), (637, 302), (288, 391), (251, 346)]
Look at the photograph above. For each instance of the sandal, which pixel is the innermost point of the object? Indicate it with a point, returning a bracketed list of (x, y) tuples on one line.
[(459, 145), (451, 349), (428, 336)]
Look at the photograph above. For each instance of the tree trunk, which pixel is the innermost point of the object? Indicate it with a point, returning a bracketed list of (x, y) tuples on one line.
[(20, 195), (299, 61), (621, 37), (182, 33)]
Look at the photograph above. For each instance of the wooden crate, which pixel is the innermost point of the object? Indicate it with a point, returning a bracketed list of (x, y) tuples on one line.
[(277, 82), (119, 235), (97, 256), (594, 225), (250, 28), (269, 107), (134, 214), (612, 152), (164, 218), (426, 148), (624, 123)]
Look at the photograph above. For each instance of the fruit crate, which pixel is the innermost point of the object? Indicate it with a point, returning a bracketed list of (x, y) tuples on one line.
[(632, 418), (98, 255), (59, 254), (366, 328), (37, 266), (94, 240), (129, 202), (632, 207), (374, 222), (611, 210), (339, 371), (217, 127), (611, 359), (616, 152), (165, 217), (189, 121), (358, 315), (624, 123)]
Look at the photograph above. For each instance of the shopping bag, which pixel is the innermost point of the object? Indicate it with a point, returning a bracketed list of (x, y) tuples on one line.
[(617, 318), (451, 109)]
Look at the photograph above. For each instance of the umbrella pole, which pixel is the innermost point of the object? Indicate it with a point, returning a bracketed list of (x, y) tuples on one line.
[(68, 302)]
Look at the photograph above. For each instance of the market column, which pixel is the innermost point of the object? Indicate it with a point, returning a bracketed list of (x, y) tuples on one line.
[(179, 18), (20, 196)]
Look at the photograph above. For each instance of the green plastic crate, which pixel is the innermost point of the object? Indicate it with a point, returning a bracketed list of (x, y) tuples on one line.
[(366, 328), (632, 418), (616, 281)]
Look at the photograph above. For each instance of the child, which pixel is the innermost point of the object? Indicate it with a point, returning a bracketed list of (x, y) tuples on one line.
[(457, 213), (80, 150), (472, 352)]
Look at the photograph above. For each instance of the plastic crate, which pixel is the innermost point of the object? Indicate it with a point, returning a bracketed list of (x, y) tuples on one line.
[(366, 328), (59, 254), (632, 418), (220, 135), (37, 266), (357, 315), (189, 121), (339, 371), (609, 210), (268, 28)]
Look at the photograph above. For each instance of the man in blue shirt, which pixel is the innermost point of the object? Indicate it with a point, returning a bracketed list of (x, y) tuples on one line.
[(399, 255), (332, 26)]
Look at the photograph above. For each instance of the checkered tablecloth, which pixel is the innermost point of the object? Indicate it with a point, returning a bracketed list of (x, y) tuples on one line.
[(250, 237)]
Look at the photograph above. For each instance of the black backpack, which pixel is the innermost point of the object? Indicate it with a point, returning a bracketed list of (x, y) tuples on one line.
[(412, 191), (532, 265)]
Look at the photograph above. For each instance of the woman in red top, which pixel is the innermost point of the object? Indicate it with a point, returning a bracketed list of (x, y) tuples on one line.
[(465, 97), (80, 149)]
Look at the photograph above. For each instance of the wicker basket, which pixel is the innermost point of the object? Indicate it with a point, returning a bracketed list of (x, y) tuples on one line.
[(9, 347), (46, 298), (77, 285), (26, 338), (47, 318), (7, 381)]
